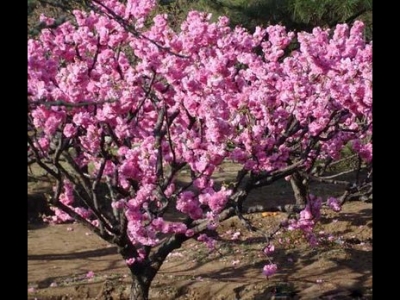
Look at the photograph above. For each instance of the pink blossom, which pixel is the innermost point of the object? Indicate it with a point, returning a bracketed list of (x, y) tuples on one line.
[(138, 8), (215, 200), (90, 274), (177, 227), (334, 204), (189, 232), (67, 197), (119, 205), (312, 239), (48, 21), (69, 130), (212, 225), (82, 119), (306, 213), (235, 262), (270, 269), (269, 249), (187, 203), (235, 235), (211, 243), (44, 144), (175, 254), (83, 212), (60, 216), (287, 178), (52, 123)]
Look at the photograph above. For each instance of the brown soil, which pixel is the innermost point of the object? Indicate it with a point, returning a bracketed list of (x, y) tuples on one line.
[(60, 256)]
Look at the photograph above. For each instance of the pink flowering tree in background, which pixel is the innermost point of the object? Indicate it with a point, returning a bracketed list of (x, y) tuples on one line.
[(119, 104)]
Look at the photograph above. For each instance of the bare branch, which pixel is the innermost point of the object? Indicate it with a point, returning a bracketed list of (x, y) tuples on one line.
[(326, 180), (95, 56), (69, 104), (102, 233), (158, 133), (40, 162), (288, 208), (268, 178), (82, 179), (131, 29)]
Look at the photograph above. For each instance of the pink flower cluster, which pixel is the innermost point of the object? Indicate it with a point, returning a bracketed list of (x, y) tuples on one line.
[(269, 249), (308, 216), (210, 242), (308, 219), (67, 198), (334, 204), (270, 269)]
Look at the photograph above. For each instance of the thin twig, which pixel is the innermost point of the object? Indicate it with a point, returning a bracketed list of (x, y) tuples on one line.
[(69, 104)]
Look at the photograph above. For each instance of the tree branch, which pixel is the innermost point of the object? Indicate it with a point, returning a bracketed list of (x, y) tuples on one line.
[(49, 170), (70, 104)]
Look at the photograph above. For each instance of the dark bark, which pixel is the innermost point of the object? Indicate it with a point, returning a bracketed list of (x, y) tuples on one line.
[(143, 272), (139, 289), (299, 186)]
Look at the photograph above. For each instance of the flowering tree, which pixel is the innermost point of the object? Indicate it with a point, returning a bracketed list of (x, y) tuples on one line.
[(119, 104)]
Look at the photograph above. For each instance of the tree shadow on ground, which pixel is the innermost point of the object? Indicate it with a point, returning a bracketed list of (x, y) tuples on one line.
[(80, 268), (77, 279), (75, 255), (362, 217), (37, 206), (357, 262), (36, 225)]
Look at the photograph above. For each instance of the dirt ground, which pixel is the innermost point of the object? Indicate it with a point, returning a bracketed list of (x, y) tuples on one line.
[(68, 262)]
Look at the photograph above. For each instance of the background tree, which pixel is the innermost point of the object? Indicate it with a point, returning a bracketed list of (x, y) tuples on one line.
[(60, 10), (119, 104), (294, 14)]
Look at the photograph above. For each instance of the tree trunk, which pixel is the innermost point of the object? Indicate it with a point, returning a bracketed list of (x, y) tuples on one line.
[(299, 186), (139, 289)]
